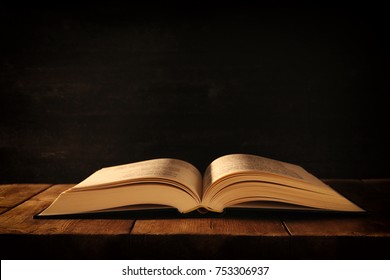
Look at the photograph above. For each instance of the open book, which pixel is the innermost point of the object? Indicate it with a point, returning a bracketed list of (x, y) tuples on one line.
[(237, 180)]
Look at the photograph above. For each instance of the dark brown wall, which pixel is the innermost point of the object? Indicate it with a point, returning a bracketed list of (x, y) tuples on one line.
[(83, 88)]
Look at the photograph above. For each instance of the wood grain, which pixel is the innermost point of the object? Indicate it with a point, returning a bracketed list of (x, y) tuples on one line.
[(27, 237), (371, 197), (13, 194), (211, 226), (52, 193), (264, 235), (210, 238), (345, 236), (19, 220)]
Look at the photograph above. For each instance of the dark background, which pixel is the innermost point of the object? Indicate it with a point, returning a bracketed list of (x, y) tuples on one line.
[(86, 87)]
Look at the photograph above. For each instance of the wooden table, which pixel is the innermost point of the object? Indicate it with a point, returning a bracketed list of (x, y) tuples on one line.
[(263, 235)]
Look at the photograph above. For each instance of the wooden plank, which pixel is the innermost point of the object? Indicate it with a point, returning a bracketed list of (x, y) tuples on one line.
[(13, 194), (60, 238), (264, 236), (373, 223), (362, 225), (211, 226), (344, 236), (52, 193), (19, 220), (210, 238), (3, 209)]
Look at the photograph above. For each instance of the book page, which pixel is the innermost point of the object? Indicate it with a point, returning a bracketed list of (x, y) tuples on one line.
[(169, 169), (234, 163), (239, 178)]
